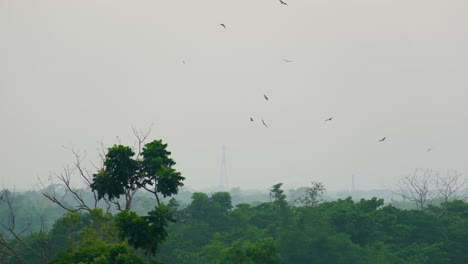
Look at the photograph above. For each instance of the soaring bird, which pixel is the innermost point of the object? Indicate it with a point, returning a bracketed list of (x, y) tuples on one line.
[(264, 123), (224, 26), (429, 149), (328, 119), (287, 60), (266, 98), (283, 3), (251, 119), (382, 139)]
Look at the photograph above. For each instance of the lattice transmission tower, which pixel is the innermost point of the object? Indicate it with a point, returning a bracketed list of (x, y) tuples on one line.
[(223, 177)]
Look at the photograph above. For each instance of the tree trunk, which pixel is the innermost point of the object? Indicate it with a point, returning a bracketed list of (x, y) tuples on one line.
[(149, 256), (149, 253)]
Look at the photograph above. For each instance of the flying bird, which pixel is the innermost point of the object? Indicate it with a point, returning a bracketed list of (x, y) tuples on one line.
[(287, 60), (429, 149), (328, 119), (264, 123), (283, 3), (251, 120), (266, 98), (224, 26), (382, 139)]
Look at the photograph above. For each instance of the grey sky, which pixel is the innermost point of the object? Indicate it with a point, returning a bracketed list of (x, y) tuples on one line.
[(78, 72)]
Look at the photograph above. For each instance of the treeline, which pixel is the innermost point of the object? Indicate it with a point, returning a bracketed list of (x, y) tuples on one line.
[(211, 230), (342, 231), (129, 213)]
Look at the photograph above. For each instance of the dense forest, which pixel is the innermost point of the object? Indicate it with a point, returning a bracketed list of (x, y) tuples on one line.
[(135, 210), (211, 230)]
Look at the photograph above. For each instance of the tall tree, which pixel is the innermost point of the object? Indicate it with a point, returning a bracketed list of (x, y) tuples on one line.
[(124, 173)]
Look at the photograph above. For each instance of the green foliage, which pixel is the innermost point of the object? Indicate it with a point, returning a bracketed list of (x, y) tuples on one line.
[(132, 227), (456, 239), (278, 194), (211, 230), (210, 209), (342, 231), (156, 156), (99, 253), (262, 251), (119, 174), (123, 173), (425, 253), (222, 200), (157, 168), (90, 239), (145, 232)]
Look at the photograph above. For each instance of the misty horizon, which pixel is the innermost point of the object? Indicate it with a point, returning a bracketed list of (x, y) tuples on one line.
[(78, 74)]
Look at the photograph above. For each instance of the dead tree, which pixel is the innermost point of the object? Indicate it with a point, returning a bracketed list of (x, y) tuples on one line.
[(10, 233), (447, 186), (75, 195), (417, 187), (78, 170), (141, 137)]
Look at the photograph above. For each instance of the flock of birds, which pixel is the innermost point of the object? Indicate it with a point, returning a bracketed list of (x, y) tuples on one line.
[(289, 61)]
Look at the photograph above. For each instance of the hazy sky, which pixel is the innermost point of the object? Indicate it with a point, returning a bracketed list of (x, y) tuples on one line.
[(75, 73)]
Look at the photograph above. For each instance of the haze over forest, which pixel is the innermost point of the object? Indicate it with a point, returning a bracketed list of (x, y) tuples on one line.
[(220, 131), (77, 73)]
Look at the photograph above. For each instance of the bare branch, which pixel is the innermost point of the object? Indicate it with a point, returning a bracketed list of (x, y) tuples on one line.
[(102, 155), (7, 198), (153, 192), (44, 242), (416, 187), (65, 177), (52, 196), (448, 185), (141, 136)]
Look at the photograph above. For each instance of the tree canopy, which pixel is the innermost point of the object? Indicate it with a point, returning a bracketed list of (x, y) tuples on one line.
[(125, 172)]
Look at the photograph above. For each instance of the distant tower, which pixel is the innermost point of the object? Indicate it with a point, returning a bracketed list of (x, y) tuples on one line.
[(223, 177), (353, 186)]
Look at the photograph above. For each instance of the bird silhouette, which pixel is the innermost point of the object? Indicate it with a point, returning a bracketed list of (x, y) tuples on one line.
[(287, 60), (429, 149), (266, 98), (328, 119), (264, 123), (283, 3), (224, 26), (251, 120), (382, 139)]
